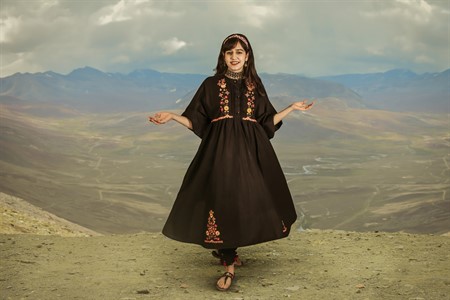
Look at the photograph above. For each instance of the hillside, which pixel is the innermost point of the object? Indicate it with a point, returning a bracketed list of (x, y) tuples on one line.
[(400, 90), (347, 168), (20, 217), (308, 265)]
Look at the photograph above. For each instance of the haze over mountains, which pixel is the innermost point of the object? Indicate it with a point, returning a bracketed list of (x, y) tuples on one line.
[(80, 147), (91, 90), (401, 90)]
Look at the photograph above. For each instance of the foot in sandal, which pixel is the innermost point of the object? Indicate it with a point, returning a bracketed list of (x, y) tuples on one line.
[(225, 281)]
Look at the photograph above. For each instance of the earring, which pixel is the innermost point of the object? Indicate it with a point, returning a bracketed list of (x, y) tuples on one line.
[(245, 65)]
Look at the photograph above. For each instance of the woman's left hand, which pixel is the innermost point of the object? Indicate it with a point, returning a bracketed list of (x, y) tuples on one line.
[(302, 105)]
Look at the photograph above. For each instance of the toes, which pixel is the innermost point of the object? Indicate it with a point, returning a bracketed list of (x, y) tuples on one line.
[(224, 282)]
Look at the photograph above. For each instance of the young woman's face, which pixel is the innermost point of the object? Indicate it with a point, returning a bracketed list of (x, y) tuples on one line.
[(235, 58)]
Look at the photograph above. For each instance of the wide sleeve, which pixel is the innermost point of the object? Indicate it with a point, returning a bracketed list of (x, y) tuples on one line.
[(196, 112), (265, 113)]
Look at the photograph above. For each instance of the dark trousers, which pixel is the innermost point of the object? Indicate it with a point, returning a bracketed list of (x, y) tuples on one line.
[(228, 256)]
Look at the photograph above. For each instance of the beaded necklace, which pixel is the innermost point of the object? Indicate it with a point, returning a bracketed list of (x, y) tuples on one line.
[(234, 75)]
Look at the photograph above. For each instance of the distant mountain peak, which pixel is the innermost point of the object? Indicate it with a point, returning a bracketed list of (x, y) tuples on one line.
[(404, 73), (86, 71), (144, 73)]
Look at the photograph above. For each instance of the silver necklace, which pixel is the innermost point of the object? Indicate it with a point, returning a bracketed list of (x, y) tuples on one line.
[(234, 75)]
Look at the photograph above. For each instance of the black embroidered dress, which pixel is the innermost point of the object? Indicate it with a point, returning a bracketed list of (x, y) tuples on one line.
[(234, 192)]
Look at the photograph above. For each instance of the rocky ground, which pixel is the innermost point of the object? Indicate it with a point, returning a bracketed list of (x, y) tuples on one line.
[(307, 265), (45, 257)]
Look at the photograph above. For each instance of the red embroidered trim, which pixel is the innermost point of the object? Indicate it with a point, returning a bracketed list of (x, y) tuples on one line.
[(249, 119), (212, 234), (221, 118), (284, 227)]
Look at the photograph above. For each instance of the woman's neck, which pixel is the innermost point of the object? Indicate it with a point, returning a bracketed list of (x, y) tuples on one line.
[(234, 75)]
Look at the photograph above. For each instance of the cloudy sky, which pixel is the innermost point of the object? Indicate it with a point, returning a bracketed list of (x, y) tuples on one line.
[(313, 38)]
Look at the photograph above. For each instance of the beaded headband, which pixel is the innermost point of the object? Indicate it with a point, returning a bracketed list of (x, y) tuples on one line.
[(241, 38)]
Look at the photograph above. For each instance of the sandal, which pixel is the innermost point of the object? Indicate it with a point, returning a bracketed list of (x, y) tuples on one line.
[(225, 275), (237, 261)]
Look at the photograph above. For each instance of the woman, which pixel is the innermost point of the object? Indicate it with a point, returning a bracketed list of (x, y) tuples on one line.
[(234, 193)]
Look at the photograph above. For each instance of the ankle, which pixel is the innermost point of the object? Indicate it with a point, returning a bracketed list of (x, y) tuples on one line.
[(230, 268)]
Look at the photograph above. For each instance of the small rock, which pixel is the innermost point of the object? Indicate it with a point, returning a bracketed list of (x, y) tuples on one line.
[(360, 286), (264, 284), (184, 286), (293, 288), (143, 292)]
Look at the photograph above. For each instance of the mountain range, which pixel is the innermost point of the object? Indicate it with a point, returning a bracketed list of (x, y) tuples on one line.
[(400, 90), (88, 89)]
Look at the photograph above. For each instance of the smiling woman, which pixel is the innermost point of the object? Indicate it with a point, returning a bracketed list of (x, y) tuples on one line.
[(234, 193)]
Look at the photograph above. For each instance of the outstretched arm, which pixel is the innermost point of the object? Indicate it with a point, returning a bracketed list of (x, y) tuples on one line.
[(164, 117), (301, 105)]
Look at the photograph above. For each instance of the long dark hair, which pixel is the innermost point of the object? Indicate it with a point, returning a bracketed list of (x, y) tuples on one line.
[(250, 74)]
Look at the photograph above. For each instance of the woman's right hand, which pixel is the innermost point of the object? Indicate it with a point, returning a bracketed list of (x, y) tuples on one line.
[(161, 118)]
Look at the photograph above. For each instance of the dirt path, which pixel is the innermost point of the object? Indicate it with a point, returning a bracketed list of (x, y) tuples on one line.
[(307, 265)]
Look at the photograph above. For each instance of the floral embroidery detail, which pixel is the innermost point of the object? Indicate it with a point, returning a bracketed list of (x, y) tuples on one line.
[(223, 95), (284, 227), (225, 101), (250, 94), (212, 234)]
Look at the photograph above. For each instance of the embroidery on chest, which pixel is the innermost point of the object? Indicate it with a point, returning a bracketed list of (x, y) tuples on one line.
[(224, 97), (250, 94), (224, 101)]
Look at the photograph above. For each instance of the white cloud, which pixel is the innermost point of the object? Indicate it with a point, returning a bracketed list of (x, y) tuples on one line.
[(308, 37), (418, 11), (172, 45), (122, 11), (375, 50), (423, 59), (121, 59), (7, 26), (257, 15), (46, 4), (126, 10), (115, 14)]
